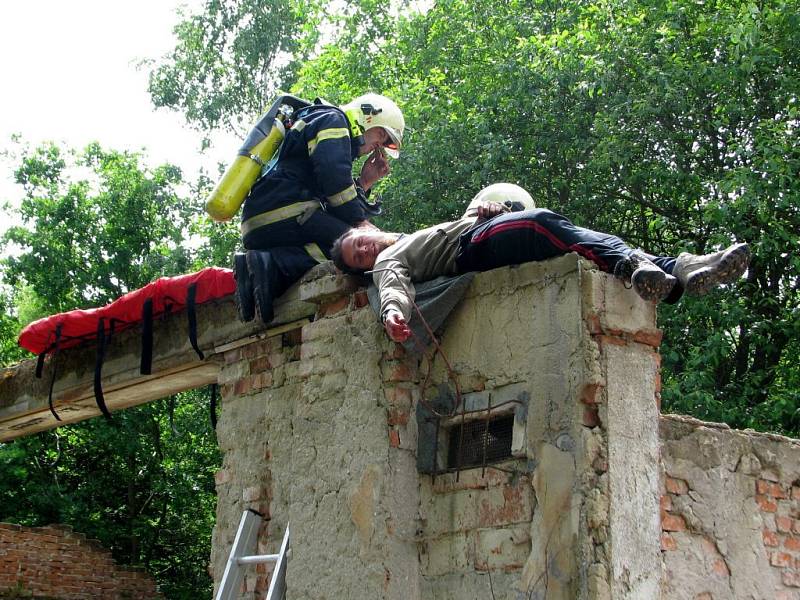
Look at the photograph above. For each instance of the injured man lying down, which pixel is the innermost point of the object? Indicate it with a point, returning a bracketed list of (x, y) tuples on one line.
[(501, 227)]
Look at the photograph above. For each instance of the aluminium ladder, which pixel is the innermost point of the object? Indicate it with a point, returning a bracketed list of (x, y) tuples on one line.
[(241, 554)]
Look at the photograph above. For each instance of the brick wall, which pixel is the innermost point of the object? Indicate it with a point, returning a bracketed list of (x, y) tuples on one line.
[(730, 512), (54, 562)]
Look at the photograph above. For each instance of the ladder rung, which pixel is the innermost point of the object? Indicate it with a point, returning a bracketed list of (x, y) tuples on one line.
[(256, 559)]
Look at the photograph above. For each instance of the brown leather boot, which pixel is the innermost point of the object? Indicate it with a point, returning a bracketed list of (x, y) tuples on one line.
[(649, 281), (699, 274)]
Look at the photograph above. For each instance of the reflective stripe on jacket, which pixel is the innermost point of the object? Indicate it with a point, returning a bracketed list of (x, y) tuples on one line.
[(315, 163)]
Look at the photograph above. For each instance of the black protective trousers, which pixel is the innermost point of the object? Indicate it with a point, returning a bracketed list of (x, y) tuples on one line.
[(539, 234), (285, 241)]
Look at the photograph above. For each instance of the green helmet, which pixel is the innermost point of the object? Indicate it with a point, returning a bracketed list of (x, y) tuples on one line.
[(374, 110)]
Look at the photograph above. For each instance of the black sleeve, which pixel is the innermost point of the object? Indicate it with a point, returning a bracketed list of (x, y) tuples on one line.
[(329, 150)]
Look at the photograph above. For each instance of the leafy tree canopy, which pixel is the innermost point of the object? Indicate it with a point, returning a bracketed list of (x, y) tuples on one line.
[(671, 123)]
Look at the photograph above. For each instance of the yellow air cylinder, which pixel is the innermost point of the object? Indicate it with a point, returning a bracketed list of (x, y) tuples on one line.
[(235, 184)]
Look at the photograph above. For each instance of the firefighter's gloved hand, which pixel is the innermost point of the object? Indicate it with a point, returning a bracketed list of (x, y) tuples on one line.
[(375, 167), (396, 327)]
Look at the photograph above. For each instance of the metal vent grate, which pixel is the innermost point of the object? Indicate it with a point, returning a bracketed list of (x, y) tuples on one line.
[(482, 442)]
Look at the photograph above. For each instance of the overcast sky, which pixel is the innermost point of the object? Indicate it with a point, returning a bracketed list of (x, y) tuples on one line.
[(68, 73)]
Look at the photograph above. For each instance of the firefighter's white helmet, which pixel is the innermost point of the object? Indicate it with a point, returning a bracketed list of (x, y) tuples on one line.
[(374, 110), (506, 194)]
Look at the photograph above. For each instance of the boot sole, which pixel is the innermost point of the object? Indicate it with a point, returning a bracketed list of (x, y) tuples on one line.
[(255, 268), (726, 270), (245, 304), (653, 286)]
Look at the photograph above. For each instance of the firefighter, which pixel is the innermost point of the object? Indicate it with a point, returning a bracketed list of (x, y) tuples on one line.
[(307, 197)]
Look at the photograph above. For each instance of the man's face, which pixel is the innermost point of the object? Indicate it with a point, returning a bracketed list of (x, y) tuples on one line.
[(374, 138), (361, 248)]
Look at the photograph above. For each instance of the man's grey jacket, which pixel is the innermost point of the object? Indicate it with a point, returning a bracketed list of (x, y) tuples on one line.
[(421, 256)]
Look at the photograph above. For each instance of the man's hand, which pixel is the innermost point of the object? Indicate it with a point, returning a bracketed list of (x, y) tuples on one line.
[(396, 326), (375, 167), (487, 210)]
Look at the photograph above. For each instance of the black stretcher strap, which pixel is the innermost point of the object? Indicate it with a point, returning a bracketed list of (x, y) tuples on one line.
[(40, 364), (191, 311), (213, 405), (98, 366), (53, 379), (147, 338)]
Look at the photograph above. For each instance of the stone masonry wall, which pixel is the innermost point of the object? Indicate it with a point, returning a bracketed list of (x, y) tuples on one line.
[(319, 430), (54, 562), (730, 513)]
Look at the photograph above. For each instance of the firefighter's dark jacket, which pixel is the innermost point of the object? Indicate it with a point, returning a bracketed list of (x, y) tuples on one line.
[(314, 164)]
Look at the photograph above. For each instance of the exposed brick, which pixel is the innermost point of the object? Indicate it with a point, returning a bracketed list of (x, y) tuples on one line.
[(770, 538), (591, 416), (55, 562), (394, 438), (676, 486), (792, 543), (260, 364), (512, 507), (665, 503), (766, 504), (795, 492), (720, 567), (769, 488), (704, 596), (337, 306), (783, 524), (397, 417), (673, 523), (243, 386), (360, 299), (398, 397), (233, 356), (261, 380), (791, 579), (293, 337), (399, 371), (590, 394), (593, 323), (781, 559), (668, 542), (649, 337)]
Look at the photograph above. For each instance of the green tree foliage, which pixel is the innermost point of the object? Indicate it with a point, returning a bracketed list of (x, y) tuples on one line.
[(87, 240), (97, 224), (143, 485), (671, 123)]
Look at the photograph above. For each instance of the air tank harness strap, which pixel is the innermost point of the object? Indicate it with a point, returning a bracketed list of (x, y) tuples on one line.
[(297, 210)]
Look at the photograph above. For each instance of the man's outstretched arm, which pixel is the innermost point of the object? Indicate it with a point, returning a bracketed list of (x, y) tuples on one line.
[(397, 295)]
